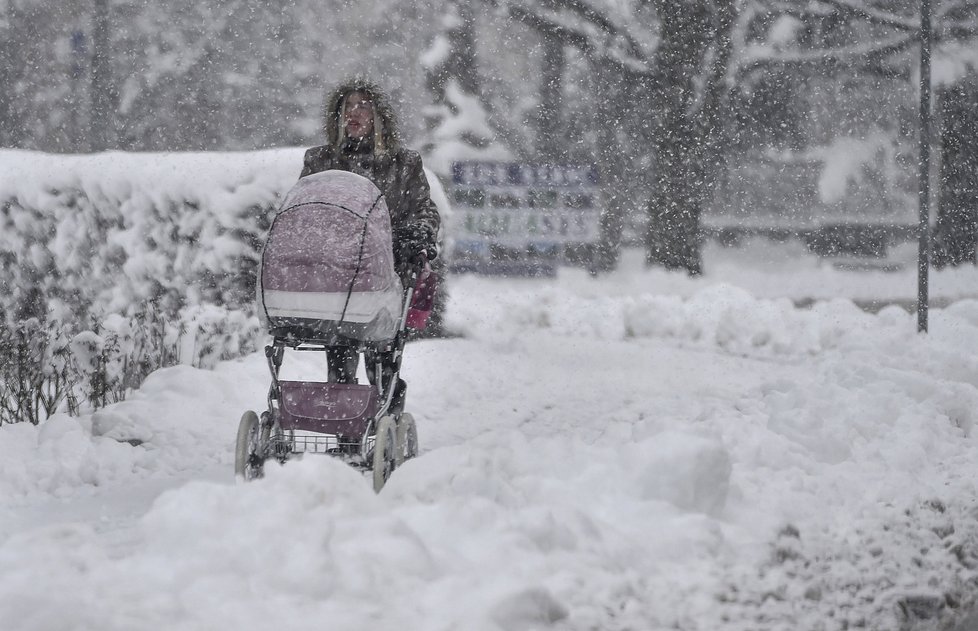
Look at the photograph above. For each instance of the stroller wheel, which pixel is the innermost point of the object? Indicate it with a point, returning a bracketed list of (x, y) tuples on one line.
[(249, 450), (385, 452), (407, 438)]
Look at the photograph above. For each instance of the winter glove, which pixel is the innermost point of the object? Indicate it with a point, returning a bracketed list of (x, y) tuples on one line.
[(411, 241)]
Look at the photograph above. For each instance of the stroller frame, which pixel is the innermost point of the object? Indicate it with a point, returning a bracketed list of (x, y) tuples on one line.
[(373, 438)]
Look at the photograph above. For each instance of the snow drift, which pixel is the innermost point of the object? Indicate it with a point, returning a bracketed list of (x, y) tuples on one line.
[(617, 461)]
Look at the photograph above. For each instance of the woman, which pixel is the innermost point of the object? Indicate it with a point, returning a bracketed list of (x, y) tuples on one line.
[(362, 137)]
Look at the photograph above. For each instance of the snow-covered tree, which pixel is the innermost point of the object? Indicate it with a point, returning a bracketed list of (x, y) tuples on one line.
[(212, 74), (41, 90), (663, 68), (203, 75), (877, 42), (670, 68), (457, 121)]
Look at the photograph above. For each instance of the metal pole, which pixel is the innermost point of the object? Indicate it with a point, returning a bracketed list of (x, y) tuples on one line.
[(923, 250)]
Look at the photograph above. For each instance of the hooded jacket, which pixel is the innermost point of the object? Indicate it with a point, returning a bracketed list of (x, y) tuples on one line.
[(396, 171)]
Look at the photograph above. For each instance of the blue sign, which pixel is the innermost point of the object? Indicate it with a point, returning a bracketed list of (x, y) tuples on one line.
[(519, 175), (507, 212)]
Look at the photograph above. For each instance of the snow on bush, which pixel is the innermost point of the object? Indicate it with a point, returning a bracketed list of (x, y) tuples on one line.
[(109, 231), (44, 369), (166, 244), (35, 371), (127, 255)]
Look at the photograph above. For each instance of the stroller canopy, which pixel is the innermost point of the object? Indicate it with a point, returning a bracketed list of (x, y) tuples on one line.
[(327, 268)]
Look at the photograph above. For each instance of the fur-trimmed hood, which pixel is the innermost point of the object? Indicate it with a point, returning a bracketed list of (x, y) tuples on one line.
[(386, 134)]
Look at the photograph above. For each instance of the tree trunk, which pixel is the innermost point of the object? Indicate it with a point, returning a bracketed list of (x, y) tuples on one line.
[(614, 166), (957, 213), (614, 210), (691, 61), (673, 237), (102, 99), (17, 65), (549, 141)]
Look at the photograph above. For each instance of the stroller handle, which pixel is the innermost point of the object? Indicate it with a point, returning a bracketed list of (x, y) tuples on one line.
[(418, 263)]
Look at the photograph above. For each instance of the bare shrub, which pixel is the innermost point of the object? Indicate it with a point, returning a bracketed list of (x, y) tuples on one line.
[(45, 369), (35, 371)]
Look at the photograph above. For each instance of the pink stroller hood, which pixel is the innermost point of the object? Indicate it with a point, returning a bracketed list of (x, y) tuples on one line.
[(328, 260)]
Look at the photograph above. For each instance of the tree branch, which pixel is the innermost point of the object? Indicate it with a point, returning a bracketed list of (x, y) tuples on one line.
[(585, 10), (585, 42), (807, 10), (762, 56), (961, 29), (873, 15), (714, 90), (957, 11)]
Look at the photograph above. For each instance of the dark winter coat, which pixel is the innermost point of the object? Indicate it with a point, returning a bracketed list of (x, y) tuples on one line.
[(396, 171)]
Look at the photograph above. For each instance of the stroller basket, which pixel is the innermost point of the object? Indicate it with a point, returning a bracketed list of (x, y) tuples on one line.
[(315, 443), (339, 409)]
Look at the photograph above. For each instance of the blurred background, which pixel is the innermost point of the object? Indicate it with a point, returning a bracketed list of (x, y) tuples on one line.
[(705, 117)]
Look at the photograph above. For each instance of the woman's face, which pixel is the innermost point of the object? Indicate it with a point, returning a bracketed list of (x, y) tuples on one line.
[(358, 115)]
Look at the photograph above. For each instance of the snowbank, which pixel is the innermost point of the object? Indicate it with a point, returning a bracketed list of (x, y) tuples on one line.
[(713, 313), (638, 451), (591, 459)]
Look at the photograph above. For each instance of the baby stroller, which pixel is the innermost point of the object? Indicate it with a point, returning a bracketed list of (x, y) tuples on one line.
[(327, 279)]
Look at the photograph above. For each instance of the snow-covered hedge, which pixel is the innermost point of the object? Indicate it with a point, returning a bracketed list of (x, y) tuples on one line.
[(108, 232), (101, 251), (118, 264), (111, 232)]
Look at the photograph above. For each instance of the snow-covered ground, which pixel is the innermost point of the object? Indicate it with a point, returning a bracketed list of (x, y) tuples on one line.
[(640, 451)]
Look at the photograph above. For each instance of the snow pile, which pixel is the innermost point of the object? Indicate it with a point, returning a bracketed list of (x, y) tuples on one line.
[(758, 268), (714, 317), (788, 270), (178, 420), (908, 567), (595, 454), (718, 461), (318, 544)]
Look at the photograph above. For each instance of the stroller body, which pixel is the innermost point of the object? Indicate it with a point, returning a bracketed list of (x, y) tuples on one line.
[(327, 279)]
